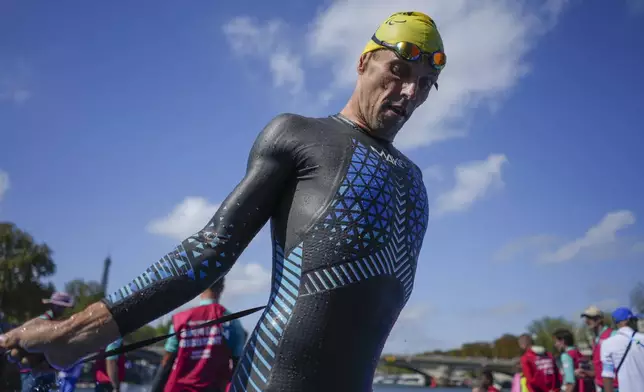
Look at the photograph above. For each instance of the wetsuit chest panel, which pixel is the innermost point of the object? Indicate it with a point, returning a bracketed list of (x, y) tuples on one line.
[(374, 225)]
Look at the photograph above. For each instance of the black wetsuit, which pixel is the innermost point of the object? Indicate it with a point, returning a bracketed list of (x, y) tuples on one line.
[(348, 216)]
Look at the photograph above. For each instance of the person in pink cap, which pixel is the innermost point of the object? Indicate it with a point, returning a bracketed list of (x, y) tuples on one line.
[(58, 303)]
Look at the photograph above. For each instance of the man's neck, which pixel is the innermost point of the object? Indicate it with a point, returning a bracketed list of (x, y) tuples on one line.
[(352, 112)]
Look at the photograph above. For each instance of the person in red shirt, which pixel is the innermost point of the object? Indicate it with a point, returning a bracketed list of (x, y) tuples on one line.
[(201, 359), (540, 370), (594, 319)]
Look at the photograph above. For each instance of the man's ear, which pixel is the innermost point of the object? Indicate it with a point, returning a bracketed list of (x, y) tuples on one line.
[(362, 62)]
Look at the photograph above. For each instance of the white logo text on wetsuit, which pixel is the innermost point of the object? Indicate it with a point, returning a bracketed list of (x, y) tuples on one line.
[(389, 158)]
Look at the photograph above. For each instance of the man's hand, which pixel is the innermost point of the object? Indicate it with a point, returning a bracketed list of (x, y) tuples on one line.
[(43, 345), (580, 373), (25, 346)]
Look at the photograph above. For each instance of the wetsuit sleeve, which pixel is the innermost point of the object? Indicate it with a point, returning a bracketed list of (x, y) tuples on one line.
[(608, 366), (172, 344), (568, 369), (203, 258)]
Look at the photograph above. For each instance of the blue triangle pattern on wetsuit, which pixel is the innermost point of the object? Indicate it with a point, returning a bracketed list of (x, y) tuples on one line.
[(255, 366), (362, 200), (383, 204), (175, 263)]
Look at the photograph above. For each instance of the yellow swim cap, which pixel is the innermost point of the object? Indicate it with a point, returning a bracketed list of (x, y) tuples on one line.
[(414, 27)]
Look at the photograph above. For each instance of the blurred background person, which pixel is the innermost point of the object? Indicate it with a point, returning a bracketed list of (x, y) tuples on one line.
[(109, 372), (58, 303), (201, 359), (539, 369), (571, 359), (622, 354), (594, 319)]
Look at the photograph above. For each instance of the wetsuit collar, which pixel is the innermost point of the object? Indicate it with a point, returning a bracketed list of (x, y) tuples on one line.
[(207, 302), (340, 117)]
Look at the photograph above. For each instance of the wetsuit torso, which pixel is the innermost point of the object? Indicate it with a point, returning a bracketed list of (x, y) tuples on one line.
[(348, 216)]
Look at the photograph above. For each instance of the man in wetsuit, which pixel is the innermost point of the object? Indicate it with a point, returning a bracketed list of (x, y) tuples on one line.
[(348, 215)]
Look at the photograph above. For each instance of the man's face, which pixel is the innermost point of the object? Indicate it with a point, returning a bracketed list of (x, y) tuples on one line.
[(559, 345), (592, 323), (390, 89)]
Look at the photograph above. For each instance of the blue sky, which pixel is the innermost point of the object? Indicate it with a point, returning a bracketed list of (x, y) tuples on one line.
[(123, 126)]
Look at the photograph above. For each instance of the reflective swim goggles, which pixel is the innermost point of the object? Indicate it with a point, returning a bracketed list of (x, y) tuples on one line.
[(411, 52)]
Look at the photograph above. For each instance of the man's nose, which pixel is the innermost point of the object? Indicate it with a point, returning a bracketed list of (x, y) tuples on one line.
[(409, 89)]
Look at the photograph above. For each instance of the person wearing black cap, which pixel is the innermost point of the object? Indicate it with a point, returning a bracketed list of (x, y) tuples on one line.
[(622, 354)]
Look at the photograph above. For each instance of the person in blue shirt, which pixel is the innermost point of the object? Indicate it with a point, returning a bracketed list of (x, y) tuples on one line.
[(109, 373), (571, 360)]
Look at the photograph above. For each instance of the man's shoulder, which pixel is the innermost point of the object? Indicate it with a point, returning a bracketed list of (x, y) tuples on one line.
[(284, 131), (614, 338), (286, 121)]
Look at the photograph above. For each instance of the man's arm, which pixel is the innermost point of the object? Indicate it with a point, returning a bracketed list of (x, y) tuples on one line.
[(201, 259), (111, 365), (608, 366), (526, 368)]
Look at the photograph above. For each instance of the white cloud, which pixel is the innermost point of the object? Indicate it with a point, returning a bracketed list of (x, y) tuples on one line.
[(187, 218), (434, 173), (473, 181), (604, 233), (245, 279), (599, 242), (523, 247), (486, 44), (247, 36), (4, 183)]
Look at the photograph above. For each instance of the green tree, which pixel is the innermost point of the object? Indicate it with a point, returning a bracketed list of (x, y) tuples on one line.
[(84, 293), (507, 346), (545, 327), (23, 265)]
